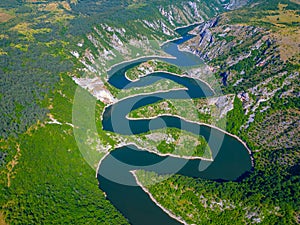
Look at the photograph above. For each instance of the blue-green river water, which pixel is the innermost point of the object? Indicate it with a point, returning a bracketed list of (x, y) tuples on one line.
[(231, 157)]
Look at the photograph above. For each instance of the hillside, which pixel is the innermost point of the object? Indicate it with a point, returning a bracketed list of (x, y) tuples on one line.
[(254, 54), (44, 178), (257, 57), (54, 57)]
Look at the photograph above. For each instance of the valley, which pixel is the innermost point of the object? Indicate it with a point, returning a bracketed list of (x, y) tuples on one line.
[(58, 60)]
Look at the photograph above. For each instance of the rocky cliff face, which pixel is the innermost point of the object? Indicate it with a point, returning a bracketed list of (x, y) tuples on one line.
[(230, 47), (235, 4), (204, 39), (214, 39), (110, 43), (248, 59)]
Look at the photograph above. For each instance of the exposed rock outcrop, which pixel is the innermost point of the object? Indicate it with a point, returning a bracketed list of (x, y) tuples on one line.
[(96, 87), (235, 4)]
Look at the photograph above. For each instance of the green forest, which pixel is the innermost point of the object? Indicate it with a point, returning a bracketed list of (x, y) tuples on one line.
[(44, 178)]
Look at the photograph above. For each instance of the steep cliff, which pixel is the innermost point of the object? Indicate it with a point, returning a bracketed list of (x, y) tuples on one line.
[(109, 42), (255, 56)]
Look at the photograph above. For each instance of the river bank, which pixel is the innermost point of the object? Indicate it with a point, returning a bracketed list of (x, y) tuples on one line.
[(201, 124), (179, 219), (114, 171)]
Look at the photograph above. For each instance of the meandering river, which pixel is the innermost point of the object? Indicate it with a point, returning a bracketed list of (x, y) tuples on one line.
[(231, 157)]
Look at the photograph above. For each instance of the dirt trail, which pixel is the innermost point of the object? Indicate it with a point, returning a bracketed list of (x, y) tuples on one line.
[(10, 166)]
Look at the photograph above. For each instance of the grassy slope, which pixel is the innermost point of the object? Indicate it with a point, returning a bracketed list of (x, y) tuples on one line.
[(151, 66), (270, 194), (281, 17), (44, 178), (51, 183)]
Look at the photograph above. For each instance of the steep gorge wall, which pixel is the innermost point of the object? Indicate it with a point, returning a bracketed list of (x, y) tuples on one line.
[(112, 42)]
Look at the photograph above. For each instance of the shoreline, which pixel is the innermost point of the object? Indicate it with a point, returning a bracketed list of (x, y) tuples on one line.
[(139, 58), (141, 94), (160, 45), (169, 41), (165, 154), (174, 74), (192, 24), (179, 219), (196, 78), (201, 124), (99, 164), (133, 172), (180, 27), (151, 151), (150, 93), (195, 122)]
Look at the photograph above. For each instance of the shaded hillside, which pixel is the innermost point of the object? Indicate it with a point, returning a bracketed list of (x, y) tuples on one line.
[(38, 39), (254, 54), (44, 178)]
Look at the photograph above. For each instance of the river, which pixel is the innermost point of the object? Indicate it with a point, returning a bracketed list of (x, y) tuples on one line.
[(231, 157)]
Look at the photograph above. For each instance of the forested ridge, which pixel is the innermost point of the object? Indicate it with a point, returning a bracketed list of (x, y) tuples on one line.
[(252, 53), (43, 177), (36, 42)]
